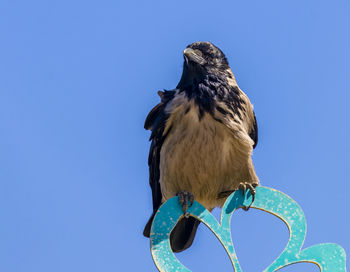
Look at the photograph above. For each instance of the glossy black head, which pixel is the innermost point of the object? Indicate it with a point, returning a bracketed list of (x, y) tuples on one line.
[(201, 59)]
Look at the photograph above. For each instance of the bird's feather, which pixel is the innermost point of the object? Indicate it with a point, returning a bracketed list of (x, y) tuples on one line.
[(156, 121)]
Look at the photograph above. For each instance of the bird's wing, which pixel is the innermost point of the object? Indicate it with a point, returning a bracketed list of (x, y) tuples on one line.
[(156, 122), (253, 134), (236, 112)]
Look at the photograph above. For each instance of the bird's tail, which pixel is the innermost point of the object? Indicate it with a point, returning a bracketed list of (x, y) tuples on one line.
[(182, 235)]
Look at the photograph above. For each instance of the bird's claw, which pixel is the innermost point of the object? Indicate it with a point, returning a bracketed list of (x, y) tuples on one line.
[(243, 186), (184, 198)]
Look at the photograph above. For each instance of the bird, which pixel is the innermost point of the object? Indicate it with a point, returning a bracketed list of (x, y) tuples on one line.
[(203, 133)]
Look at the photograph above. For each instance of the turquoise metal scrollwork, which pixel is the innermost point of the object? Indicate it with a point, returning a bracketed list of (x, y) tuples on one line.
[(328, 257)]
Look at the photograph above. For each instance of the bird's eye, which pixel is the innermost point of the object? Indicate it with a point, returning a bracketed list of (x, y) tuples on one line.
[(198, 52)]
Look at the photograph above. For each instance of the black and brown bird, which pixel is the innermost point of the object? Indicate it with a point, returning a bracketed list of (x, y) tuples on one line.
[(203, 134)]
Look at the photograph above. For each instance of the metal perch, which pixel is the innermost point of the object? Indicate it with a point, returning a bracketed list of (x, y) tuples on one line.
[(328, 257)]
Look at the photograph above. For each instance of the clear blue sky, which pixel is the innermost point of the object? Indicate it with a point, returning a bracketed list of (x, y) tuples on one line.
[(77, 79)]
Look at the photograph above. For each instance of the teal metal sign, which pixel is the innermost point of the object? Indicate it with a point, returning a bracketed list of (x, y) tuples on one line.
[(328, 257)]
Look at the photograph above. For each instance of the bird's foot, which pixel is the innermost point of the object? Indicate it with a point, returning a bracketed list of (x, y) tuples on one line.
[(184, 198), (243, 186)]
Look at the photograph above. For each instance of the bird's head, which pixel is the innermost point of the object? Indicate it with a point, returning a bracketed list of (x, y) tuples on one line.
[(200, 59)]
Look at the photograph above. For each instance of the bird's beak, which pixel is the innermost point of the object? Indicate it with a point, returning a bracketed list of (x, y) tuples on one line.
[(190, 55)]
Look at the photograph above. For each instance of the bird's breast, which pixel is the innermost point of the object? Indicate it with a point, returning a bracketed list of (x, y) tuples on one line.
[(198, 155)]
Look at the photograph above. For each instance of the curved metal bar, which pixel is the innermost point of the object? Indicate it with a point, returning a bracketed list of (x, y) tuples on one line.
[(328, 257)]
